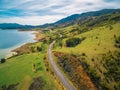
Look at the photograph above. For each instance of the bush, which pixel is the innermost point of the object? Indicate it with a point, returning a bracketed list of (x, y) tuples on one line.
[(117, 41), (38, 84), (3, 60), (39, 49), (73, 42), (94, 75), (10, 87), (85, 66), (110, 27), (112, 65)]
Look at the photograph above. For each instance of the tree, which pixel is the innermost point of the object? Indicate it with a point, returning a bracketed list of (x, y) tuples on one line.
[(3, 60), (72, 42), (39, 49), (60, 43)]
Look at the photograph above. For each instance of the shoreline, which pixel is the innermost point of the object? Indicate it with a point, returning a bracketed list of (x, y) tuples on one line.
[(38, 36), (13, 52)]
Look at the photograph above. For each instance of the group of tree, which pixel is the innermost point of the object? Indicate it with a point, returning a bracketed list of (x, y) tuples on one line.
[(72, 42)]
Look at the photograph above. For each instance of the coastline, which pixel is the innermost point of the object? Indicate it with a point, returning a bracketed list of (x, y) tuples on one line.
[(38, 36), (14, 52), (11, 54)]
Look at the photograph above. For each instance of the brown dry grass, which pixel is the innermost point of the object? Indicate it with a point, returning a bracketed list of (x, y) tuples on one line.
[(72, 66)]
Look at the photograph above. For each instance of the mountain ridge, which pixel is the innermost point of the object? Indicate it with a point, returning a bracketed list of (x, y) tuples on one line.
[(72, 19)]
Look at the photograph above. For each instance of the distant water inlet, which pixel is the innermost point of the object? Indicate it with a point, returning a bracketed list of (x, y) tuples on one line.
[(11, 39)]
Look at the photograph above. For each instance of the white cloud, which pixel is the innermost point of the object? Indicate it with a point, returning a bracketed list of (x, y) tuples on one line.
[(33, 20), (80, 6), (45, 11)]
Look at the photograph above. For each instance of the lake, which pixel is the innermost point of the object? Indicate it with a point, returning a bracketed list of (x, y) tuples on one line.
[(11, 39)]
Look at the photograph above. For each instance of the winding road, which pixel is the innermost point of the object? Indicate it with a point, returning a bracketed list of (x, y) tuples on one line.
[(58, 72)]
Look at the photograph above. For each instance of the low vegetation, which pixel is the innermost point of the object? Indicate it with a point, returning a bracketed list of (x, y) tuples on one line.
[(3, 60), (18, 72), (71, 65), (117, 41)]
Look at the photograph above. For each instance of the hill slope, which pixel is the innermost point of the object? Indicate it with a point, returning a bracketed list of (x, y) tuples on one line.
[(98, 52)]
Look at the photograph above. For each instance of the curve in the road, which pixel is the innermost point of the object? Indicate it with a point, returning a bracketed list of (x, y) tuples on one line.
[(57, 71)]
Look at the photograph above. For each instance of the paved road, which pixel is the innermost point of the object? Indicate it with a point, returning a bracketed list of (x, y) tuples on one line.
[(57, 71)]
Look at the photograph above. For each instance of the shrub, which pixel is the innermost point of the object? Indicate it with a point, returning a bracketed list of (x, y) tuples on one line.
[(38, 84), (94, 75), (3, 60), (85, 66), (73, 42), (117, 42), (10, 87), (32, 49), (39, 49), (83, 54), (104, 85), (110, 27)]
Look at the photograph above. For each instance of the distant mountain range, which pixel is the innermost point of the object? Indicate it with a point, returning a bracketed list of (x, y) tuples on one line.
[(73, 19), (79, 18), (14, 26)]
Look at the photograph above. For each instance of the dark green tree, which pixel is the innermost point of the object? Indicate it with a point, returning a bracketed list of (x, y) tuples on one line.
[(3, 60), (72, 42)]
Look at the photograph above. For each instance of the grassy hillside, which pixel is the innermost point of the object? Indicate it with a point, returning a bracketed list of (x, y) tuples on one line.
[(29, 69), (18, 72), (101, 38), (98, 53)]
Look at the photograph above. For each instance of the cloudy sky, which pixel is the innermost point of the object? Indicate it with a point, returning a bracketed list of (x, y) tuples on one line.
[(37, 12)]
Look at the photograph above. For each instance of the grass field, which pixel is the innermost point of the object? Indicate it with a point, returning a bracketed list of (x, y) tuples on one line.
[(96, 49), (98, 40), (22, 69)]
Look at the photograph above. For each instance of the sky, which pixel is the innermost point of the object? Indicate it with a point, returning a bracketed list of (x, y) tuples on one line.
[(38, 12)]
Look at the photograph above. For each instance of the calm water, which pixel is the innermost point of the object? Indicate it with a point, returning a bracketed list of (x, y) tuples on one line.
[(11, 39)]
